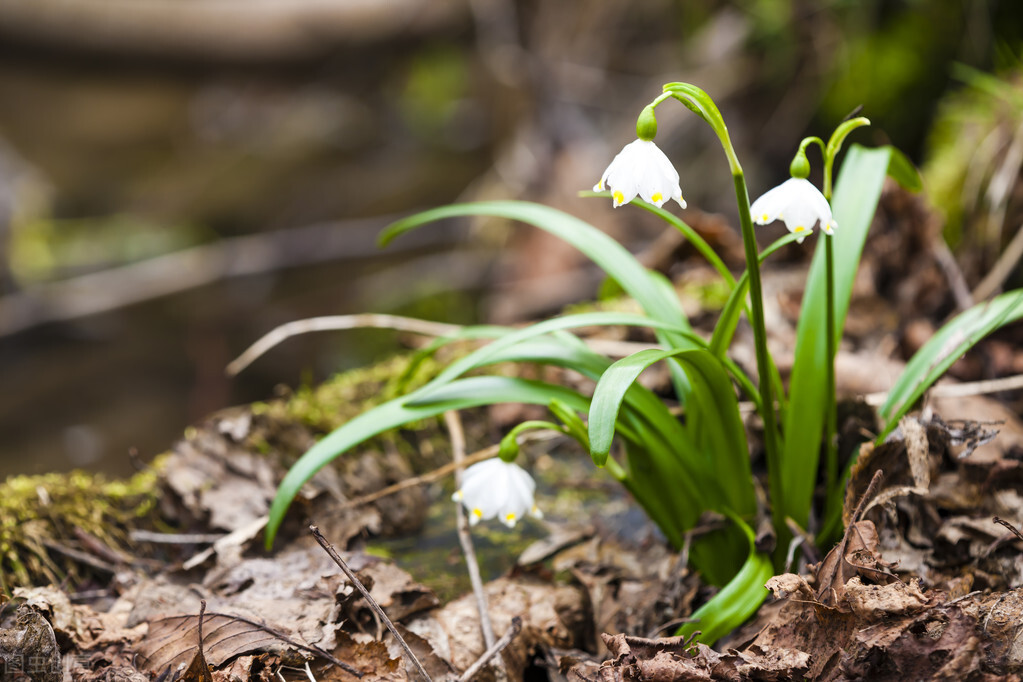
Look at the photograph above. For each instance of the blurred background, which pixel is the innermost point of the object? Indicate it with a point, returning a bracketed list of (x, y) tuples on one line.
[(178, 178)]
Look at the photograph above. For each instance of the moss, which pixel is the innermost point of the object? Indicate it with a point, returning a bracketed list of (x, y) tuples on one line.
[(37, 512)]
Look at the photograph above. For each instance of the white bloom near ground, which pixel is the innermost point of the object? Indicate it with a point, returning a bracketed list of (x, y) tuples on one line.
[(497, 489)]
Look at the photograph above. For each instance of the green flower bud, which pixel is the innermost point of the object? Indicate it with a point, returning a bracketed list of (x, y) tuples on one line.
[(509, 448), (800, 166), (646, 124)]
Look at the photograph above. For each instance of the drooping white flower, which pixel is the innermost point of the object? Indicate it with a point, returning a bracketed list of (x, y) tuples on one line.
[(641, 169), (497, 489), (797, 202)]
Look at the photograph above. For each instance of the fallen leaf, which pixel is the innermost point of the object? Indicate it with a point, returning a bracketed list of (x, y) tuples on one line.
[(29, 648), (872, 602), (171, 641)]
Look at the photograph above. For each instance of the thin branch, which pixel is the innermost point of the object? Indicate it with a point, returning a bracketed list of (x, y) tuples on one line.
[(498, 646), (175, 538), (457, 433), (442, 471), (329, 549), (1002, 268), (336, 323), (984, 387), (1012, 528)]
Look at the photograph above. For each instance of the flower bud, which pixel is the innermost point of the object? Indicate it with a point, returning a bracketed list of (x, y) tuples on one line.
[(646, 124)]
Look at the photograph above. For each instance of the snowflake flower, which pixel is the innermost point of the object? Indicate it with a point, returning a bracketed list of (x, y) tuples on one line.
[(797, 202), (497, 489), (641, 169)]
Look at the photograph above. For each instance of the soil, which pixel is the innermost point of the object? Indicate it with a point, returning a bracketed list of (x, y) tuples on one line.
[(164, 576)]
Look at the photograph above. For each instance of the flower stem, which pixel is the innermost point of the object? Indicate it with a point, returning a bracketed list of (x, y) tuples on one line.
[(831, 415), (771, 445)]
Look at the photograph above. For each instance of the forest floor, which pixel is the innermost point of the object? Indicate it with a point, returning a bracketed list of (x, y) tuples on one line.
[(165, 576)]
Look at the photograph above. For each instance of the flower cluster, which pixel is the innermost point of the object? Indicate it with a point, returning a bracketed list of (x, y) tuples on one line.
[(497, 489), (641, 169)]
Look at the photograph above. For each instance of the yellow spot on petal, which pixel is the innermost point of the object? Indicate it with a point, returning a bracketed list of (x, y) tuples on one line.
[(799, 228), (764, 218), (619, 197), (478, 513), (600, 186), (657, 196), (510, 518)]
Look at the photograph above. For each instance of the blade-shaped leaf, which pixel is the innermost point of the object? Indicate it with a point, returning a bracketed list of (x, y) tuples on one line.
[(946, 346), (717, 458), (611, 256), (737, 601), (457, 395)]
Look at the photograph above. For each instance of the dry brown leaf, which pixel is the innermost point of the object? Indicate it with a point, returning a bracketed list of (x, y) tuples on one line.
[(171, 641), (859, 543), (368, 656), (198, 670), (656, 660), (773, 663), (789, 586), (872, 602), (29, 648)]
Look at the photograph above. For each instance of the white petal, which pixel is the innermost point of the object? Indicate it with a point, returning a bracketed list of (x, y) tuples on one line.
[(798, 203), (641, 169), (771, 205), (496, 489)]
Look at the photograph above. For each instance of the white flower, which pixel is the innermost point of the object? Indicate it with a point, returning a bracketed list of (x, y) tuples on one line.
[(799, 204), (641, 168), (497, 489)]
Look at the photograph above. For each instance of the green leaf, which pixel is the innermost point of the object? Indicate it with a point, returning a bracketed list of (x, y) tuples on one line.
[(717, 457), (737, 601), (855, 200), (902, 170), (726, 324), (611, 256), (457, 395), (943, 349), (484, 355), (698, 242)]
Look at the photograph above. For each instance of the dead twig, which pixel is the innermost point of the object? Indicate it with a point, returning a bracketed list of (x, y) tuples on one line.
[(1012, 528), (336, 323), (493, 650), (442, 471), (175, 538), (985, 387), (332, 553), (1001, 270), (457, 433)]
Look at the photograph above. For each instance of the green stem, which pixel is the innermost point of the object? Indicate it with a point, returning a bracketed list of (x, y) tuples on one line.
[(831, 416), (760, 339)]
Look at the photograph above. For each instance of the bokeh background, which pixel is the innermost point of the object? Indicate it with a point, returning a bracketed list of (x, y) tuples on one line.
[(178, 178)]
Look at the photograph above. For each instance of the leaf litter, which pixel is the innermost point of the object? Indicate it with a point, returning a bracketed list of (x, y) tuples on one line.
[(927, 584)]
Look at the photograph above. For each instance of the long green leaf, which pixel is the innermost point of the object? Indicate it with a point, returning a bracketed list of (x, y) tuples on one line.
[(943, 349), (458, 395), (737, 601), (719, 462), (698, 242), (611, 256), (721, 339), (482, 356), (856, 196)]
